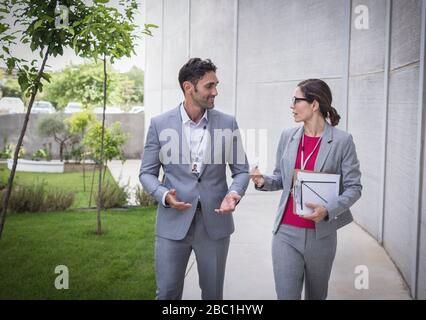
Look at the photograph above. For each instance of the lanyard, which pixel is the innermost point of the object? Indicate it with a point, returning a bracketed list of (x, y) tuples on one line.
[(197, 154), (199, 145), (303, 163)]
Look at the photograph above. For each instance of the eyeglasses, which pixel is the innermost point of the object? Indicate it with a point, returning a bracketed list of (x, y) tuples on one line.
[(296, 100)]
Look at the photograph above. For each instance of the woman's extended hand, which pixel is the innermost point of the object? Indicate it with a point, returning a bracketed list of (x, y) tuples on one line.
[(257, 177)]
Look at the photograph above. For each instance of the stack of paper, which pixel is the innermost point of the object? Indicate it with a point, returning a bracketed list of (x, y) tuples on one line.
[(314, 187)]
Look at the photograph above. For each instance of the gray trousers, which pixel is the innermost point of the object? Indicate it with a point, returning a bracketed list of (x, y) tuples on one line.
[(298, 257), (171, 260)]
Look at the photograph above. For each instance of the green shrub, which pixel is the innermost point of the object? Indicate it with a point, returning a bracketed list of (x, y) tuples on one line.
[(41, 154), (1, 198), (27, 198), (58, 200), (6, 153), (3, 185), (76, 154), (3, 181), (143, 198), (10, 151), (37, 198), (112, 196)]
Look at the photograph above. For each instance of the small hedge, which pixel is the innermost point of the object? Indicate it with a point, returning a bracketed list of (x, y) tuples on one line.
[(112, 196), (143, 198), (36, 198), (58, 200)]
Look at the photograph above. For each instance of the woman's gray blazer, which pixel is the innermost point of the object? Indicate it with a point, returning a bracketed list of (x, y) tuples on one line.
[(337, 155)]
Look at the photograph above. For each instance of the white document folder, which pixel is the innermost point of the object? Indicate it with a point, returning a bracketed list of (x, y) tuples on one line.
[(313, 187)]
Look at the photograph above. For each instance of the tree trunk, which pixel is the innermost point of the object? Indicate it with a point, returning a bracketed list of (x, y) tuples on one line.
[(6, 195), (84, 168), (61, 150), (84, 174), (91, 188), (105, 169), (101, 161)]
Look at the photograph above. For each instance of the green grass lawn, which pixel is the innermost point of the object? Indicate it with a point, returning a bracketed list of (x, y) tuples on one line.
[(70, 181), (116, 265)]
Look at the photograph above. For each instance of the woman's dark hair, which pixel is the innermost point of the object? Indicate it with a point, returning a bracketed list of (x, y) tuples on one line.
[(316, 89), (194, 70)]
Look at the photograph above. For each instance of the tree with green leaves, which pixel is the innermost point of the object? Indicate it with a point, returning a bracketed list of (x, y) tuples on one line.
[(81, 83), (54, 126), (124, 92), (35, 20), (136, 75), (84, 83), (11, 88), (112, 146), (78, 124), (104, 148), (98, 42), (93, 31)]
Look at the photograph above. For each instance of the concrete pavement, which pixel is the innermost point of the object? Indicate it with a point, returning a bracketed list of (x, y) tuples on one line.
[(249, 266), (126, 173)]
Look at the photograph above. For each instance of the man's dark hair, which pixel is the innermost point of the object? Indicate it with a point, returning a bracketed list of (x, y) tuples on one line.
[(194, 70)]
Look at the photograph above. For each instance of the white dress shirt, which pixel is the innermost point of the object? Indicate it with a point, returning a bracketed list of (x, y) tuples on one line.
[(195, 135)]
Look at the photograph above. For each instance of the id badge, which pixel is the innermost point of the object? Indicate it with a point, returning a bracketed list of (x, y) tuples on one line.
[(195, 167)]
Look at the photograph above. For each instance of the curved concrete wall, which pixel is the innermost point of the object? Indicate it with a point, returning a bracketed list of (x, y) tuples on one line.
[(264, 48)]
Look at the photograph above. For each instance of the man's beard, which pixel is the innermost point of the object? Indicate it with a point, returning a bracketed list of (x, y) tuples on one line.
[(203, 104)]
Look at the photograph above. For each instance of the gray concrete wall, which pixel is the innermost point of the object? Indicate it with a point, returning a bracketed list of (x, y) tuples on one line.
[(215, 40), (422, 244), (154, 62), (175, 49), (264, 48), (366, 107), (131, 123), (400, 222), (275, 53), (422, 230)]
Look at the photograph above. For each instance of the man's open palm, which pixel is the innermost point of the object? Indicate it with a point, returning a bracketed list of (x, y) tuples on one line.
[(228, 204)]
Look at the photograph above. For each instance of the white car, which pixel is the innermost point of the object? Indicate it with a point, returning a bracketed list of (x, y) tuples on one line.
[(11, 105), (42, 107), (137, 109), (73, 107), (107, 110)]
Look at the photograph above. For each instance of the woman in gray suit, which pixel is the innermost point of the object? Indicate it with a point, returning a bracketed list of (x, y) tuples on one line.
[(303, 248)]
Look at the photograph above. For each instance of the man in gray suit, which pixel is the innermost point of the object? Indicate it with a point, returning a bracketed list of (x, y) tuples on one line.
[(195, 203)]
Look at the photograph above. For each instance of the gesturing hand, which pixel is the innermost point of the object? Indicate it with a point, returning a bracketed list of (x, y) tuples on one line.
[(173, 202), (257, 177), (319, 212), (228, 204)]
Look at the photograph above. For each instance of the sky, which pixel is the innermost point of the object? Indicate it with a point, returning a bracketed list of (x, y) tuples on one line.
[(60, 62)]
